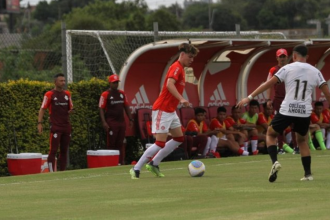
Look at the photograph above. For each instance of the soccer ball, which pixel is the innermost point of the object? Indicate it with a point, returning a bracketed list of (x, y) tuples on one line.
[(196, 168)]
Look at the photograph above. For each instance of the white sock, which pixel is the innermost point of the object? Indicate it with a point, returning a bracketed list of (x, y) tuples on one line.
[(328, 140), (214, 143), (254, 145), (147, 155), (50, 167), (207, 147), (323, 133), (246, 145), (288, 137), (168, 148)]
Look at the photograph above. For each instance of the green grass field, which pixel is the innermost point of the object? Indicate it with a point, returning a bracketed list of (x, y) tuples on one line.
[(232, 188)]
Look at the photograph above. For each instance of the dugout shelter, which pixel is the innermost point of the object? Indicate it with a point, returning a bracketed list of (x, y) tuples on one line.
[(224, 71)]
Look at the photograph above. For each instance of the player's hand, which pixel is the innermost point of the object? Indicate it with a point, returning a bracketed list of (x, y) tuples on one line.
[(185, 103), (243, 102), (71, 111), (105, 126), (40, 128)]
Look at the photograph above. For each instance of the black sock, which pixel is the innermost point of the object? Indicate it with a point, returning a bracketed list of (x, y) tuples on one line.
[(272, 150), (306, 162)]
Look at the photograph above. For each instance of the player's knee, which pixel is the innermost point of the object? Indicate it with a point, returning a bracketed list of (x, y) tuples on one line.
[(179, 139)]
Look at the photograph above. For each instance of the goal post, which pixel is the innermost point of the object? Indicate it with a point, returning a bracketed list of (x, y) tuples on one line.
[(101, 53)]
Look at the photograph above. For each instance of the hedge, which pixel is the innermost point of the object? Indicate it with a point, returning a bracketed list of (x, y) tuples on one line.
[(19, 106)]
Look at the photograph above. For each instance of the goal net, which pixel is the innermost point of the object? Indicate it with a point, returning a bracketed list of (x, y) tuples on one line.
[(101, 53)]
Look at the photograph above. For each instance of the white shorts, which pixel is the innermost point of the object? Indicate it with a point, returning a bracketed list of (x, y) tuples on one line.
[(162, 121)]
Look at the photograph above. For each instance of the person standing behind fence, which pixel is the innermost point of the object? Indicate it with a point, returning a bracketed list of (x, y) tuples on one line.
[(164, 117), (112, 103), (59, 104)]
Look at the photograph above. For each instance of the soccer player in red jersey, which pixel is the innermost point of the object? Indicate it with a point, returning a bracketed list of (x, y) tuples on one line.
[(112, 103), (59, 104), (164, 117)]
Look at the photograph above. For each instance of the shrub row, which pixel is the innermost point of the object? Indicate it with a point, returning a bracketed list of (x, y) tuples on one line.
[(19, 106)]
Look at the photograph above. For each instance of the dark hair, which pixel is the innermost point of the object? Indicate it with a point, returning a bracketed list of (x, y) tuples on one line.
[(264, 105), (254, 102), (318, 104), (301, 49), (221, 109), (58, 75), (234, 107), (199, 110), (188, 48)]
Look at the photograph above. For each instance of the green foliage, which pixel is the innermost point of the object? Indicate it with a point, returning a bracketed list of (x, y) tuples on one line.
[(34, 65), (171, 23), (225, 19), (20, 103), (196, 15)]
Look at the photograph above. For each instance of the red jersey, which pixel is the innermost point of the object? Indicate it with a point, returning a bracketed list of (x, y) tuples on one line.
[(166, 101), (193, 126), (113, 102), (58, 105), (326, 112), (321, 119), (230, 121), (262, 119), (215, 123), (279, 88)]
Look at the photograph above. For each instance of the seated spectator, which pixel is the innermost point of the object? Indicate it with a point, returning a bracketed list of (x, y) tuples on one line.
[(236, 123), (251, 118), (198, 129), (319, 125), (226, 137)]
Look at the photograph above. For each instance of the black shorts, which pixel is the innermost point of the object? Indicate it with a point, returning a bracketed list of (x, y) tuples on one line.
[(281, 122)]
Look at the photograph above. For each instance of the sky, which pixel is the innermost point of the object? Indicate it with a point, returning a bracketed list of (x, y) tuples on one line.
[(152, 4)]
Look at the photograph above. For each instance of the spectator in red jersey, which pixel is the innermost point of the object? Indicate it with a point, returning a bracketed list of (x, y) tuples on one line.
[(226, 137), (318, 127), (164, 117), (198, 128), (59, 104), (112, 103), (238, 123)]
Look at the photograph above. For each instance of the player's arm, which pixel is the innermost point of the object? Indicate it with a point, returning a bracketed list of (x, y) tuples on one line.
[(45, 104), (40, 117), (325, 89), (128, 111), (269, 91), (170, 85), (102, 106), (260, 89)]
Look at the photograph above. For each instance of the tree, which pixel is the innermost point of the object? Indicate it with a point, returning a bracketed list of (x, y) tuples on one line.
[(225, 18), (171, 23), (196, 16)]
